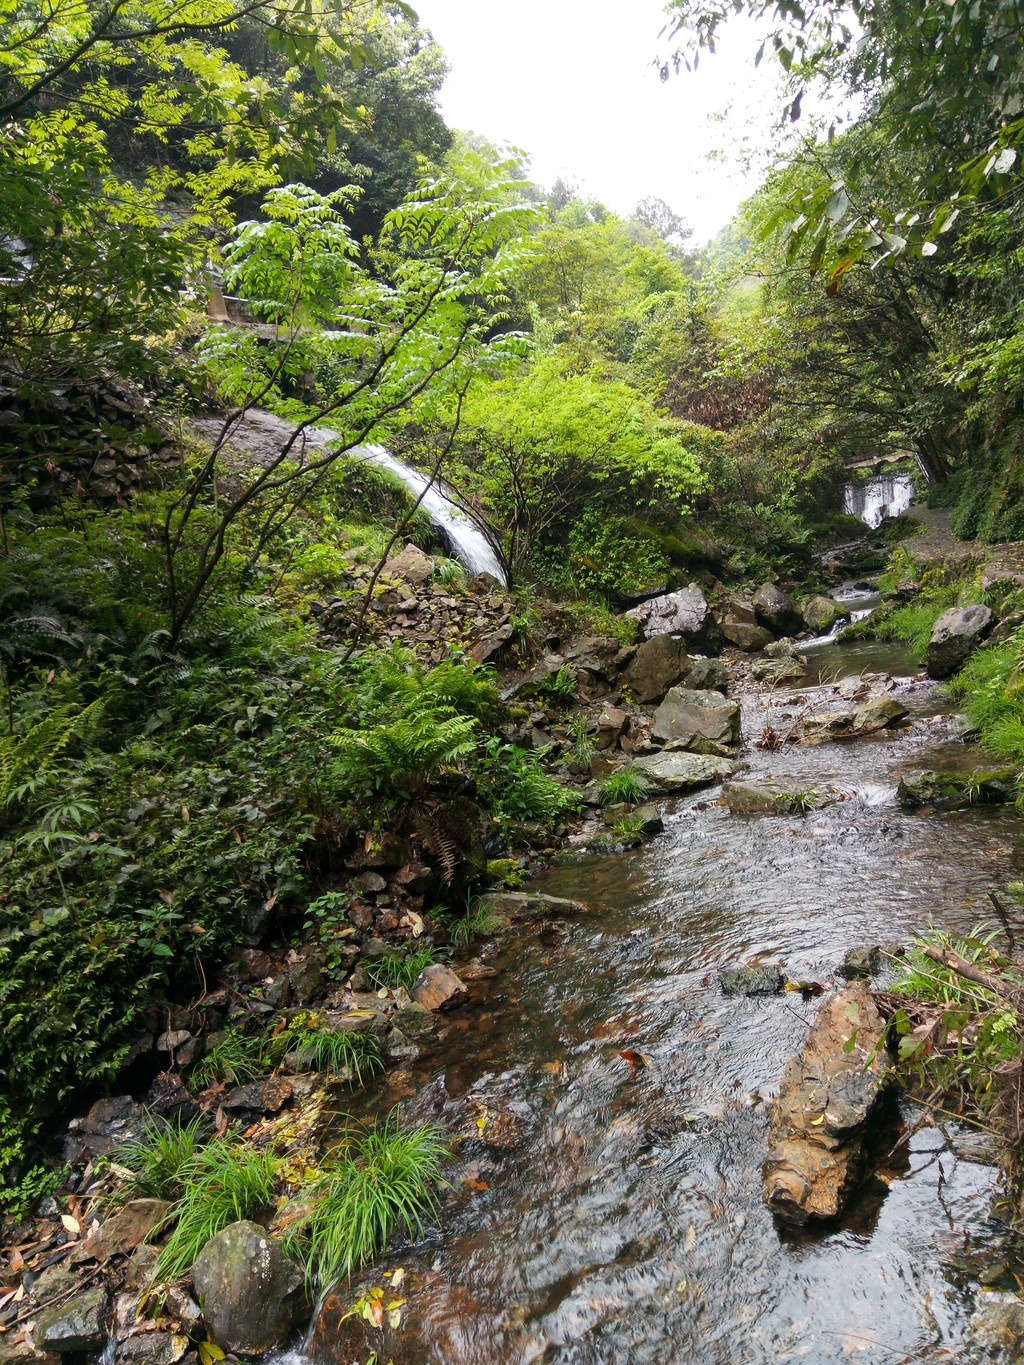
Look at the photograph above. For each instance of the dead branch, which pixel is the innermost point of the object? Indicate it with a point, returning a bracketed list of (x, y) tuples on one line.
[(1013, 995)]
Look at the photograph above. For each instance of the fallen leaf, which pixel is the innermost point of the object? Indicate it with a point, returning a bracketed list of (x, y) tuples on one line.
[(417, 923), (819, 1120), (397, 1277), (17, 1260), (71, 1225), (395, 1318), (477, 1184), (691, 1237), (635, 1058)]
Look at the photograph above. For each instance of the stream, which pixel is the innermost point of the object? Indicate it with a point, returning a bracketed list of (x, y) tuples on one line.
[(627, 1226)]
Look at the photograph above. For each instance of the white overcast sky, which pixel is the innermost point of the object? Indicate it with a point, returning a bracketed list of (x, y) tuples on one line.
[(572, 83)]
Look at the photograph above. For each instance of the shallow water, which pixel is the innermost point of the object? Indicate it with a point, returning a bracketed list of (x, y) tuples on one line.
[(628, 1225)]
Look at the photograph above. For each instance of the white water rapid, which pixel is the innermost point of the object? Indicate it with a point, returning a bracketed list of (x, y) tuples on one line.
[(885, 496)]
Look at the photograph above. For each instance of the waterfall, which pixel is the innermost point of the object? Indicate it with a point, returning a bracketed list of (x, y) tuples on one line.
[(885, 496)]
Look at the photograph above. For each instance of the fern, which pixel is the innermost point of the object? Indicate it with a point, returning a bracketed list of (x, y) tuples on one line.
[(410, 750), (28, 760)]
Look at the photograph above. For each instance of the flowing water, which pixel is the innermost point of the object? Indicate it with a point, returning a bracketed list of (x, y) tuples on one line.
[(887, 495), (627, 1228)]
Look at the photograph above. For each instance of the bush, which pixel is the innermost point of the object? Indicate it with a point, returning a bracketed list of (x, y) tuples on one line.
[(626, 785)]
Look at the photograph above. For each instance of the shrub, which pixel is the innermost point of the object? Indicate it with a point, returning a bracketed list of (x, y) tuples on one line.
[(513, 786)]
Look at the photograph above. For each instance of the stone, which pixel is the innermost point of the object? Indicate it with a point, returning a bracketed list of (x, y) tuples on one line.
[(658, 664), (140, 1265), (647, 819), (707, 675), (78, 1324), (776, 609), (863, 720), (415, 1020), (488, 646), (739, 612), (437, 987), (674, 613), (749, 638), (751, 980), (172, 1040), (369, 883), (108, 1123), (124, 1230), (153, 1348), (819, 1122), (951, 791), (399, 1048), (247, 1285), (763, 796), (264, 1097), (484, 582), (168, 1098), (521, 906), (412, 564), (610, 725), (790, 669), (861, 962), (820, 613), (695, 744), (671, 773), (997, 1324), (278, 994), (954, 635), (306, 979), (373, 950), (689, 712)]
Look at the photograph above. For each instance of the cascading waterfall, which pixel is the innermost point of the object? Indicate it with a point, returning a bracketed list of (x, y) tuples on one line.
[(888, 495)]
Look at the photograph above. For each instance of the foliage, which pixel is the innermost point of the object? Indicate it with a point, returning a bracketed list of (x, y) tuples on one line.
[(163, 1157), (513, 786), (372, 1185), (343, 1054), (624, 785), (396, 968), (233, 1057), (991, 691)]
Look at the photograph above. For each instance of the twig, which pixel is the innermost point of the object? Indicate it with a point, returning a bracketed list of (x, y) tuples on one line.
[(1004, 919), (947, 958)]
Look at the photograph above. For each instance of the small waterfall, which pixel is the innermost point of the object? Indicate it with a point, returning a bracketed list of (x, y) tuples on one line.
[(468, 542), (885, 496)]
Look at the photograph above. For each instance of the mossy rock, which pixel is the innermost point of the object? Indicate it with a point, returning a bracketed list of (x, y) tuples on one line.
[(951, 791)]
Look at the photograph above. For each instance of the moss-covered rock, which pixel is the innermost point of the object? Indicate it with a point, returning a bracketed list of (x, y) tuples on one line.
[(951, 790)]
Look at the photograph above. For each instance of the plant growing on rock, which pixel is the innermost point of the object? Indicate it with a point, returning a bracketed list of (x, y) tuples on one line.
[(162, 1158), (356, 1056), (233, 1057), (625, 785), (396, 968), (223, 1182)]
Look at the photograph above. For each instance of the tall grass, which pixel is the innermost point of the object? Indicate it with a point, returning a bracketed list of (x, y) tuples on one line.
[(992, 695), (626, 785), (401, 969), (377, 1184), (355, 1055), (162, 1157), (235, 1058)]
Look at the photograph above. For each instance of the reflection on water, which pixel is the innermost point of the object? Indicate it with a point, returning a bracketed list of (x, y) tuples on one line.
[(628, 1225)]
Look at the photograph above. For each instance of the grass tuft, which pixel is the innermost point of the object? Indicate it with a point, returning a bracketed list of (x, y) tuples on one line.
[(401, 969), (626, 785), (356, 1055), (162, 1157), (234, 1057)]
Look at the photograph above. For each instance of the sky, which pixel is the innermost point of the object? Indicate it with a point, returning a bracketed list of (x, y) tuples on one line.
[(572, 83)]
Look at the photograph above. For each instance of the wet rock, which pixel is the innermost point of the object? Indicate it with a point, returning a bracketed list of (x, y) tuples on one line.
[(437, 987), (79, 1324), (680, 771), (373, 950), (124, 1230), (519, 906), (790, 669), (492, 1125), (763, 796), (153, 1348), (997, 1324), (707, 675), (278, 994), (950, 791), (658, 664), (140, 1265), (400, 1048), (306, 979), (412, 564), (861, 962), (686, 712), (247, 1285), (820, 613), (490, 645), (168, 1098), (415, 1020), (820, 1119), (261, 1097), (954, 635), (751, 980), (776, 609), (108, 1123), (695, 744), (863, 720), (674, 613), (369, 884)]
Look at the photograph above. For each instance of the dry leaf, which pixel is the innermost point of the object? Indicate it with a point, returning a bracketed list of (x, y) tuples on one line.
[(17, 1259), (395, 1317), (397, 1278), (691, 1237), (71, 1225)]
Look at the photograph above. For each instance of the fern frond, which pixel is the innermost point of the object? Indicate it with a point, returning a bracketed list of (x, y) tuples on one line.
[(27, 759)]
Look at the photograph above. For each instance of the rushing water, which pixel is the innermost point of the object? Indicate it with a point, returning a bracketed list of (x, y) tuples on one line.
[(627, 1227), (885, 496)]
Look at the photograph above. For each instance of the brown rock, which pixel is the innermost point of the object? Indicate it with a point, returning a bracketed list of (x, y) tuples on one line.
[(437, 987), (656, 665), (412, 564), (610, 725), (126, 1229), (829, 1094)]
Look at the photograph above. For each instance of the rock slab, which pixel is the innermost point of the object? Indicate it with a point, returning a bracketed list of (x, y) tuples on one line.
[(673, 613), (681, 771), (686, 711), (828, 1096), (954, 635), (437, 987), (247, 1286), (80, 1324)]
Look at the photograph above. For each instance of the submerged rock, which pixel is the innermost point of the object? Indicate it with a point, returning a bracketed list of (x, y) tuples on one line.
[(247, 1285), (687, 712), (861, 962), (983, 786), (680, 771), (523, 905), (954, 635), (997, 1324), (819, 1123), (751, 980)]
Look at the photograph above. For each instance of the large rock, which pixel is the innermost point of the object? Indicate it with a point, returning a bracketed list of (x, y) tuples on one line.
[(755, 979), (124, 1230), (412, 564), (745, 636), (437, 987), (675, 613), (828, 1096), (671, 773), (657, 665), (79, 1324), (687, 712), (821, 613), (997, 1324), (764, 796), (983, 786), (707, 675), (247, 1285), (863, 720), (954, 635), (776, 609), (790, 668)]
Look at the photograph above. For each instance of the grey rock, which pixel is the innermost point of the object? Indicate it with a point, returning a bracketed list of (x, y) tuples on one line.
[(79, 1324), (369, 883), (610, 725), (674, 613), (373, 950), (863, 720), (680, 771), (306, 980), (412, 564), (279, 993), (523, 906), (707, 675), (752, 980), (821, 613), (745, 636), (951, 791), (400, 1048), (954, 635), (776, 609), (687, 712), (764, 796), (649, 819), (861, 962), (247, 1286), (153, 1348), (415, 1021), (778, 670), (658, 664)]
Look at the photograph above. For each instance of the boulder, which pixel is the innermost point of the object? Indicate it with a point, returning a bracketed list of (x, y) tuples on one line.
[(525, 906), (261, 1097), (78, 1324), (707, 675), (679, 771), (821, 613), (412, 564), (124, 1230), (306, 979), (776, 609), (415, 1020), (689, 712), (745, 636), (247, 1285), (437, 987), (954, 635), (861, 962), (610, 725), (153, 1348), (787, 669), (819, 1123), (490, 645), (863, 720), (950, 791), (739, 612), (763, 796), (752, 980), (674, 613), (657, 665)]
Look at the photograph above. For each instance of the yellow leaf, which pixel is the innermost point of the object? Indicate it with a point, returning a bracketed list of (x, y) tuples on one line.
[(481, 1122), (395, 1317), (397, 1278), (815, 1122), (691, 1236), (395, 1303)]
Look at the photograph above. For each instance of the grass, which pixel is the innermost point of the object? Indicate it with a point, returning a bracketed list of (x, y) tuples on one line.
[(378, 1183), (234, 1057), (356, 1055), (581, 752), (401, 969), (929, 981), (162, 1157), (448, 572), (224, 1182), (993, 697), (626, 785)]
